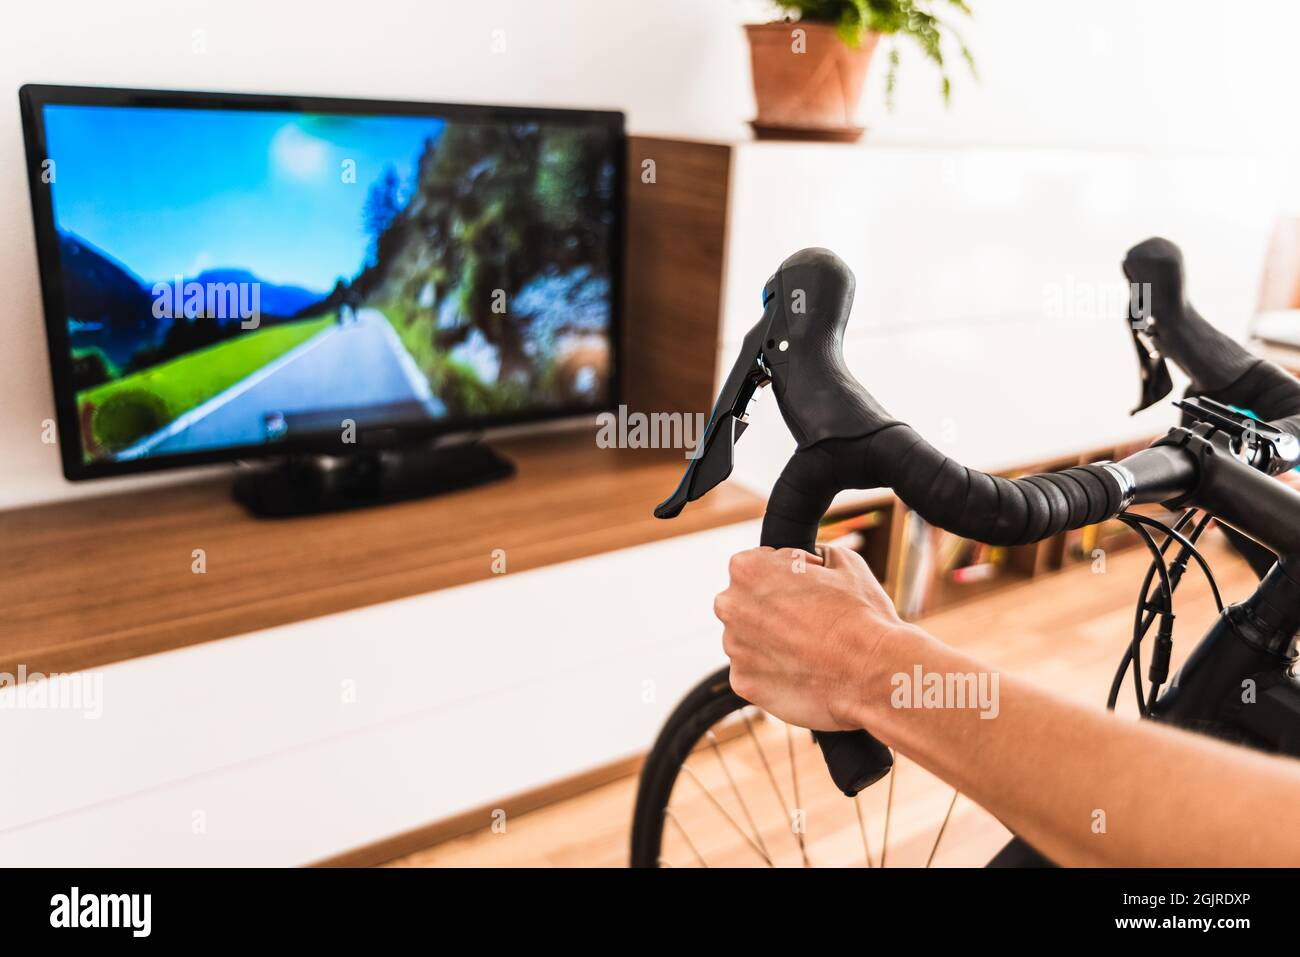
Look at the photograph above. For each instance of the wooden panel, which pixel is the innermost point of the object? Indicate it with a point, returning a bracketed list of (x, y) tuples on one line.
[(676, 244), (99, 580)]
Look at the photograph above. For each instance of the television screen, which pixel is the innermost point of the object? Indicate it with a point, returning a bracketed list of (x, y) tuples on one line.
[(229, 276)]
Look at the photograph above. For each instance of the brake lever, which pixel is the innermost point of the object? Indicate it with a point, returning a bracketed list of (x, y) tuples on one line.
[(1152, 369), (714, 457)]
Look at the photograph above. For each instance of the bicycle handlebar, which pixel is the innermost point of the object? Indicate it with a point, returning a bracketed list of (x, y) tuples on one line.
[(846, 439), (961, 500)]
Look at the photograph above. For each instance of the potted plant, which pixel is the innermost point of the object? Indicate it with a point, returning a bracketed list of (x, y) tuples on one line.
[(808, 72)]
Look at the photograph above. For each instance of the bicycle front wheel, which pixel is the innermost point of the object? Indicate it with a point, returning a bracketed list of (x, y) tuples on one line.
[(727, 784)]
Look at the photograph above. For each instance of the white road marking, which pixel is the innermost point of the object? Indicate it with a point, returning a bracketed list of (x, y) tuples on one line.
[(188, 418)]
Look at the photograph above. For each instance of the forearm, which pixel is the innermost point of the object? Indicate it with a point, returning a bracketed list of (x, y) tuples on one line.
[(1080, 784)]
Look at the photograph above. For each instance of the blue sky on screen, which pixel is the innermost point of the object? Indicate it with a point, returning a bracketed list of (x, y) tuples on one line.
[(170, 191)]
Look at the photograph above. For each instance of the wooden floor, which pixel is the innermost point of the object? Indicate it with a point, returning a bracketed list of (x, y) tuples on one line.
[(1066, 631)]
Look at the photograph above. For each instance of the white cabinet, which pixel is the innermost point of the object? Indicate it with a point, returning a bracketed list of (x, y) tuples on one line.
[(293, 744)]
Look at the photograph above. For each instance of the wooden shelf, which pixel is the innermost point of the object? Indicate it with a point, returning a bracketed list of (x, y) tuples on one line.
[(103, 579), (100, 580)]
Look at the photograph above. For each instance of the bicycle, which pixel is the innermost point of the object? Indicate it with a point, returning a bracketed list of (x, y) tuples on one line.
[(1216, 464)]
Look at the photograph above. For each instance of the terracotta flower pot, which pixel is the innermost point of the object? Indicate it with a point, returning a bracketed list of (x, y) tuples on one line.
[(807, 79)]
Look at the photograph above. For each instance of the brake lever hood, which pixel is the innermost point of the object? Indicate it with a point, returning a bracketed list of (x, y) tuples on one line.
[(797, 347)]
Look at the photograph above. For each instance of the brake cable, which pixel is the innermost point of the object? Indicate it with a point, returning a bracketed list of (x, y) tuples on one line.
[(1159, 671), (1135, 645), (1129, 517), (1170, 579)]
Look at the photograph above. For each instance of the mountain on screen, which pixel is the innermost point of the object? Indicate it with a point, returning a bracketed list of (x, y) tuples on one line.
[(276, 300), (110, 308), (107, 305)]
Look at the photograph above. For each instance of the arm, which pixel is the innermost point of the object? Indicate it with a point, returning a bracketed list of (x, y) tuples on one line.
[(1043, 765)]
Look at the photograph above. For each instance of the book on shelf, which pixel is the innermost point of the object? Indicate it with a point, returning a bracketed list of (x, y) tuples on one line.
[(853, 541), (931, 555), (1079, 542), (917, 542), (854, 523), (982, 571), (851, 532)]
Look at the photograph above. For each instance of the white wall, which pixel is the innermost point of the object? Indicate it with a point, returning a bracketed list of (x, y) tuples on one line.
[(1156, 75)]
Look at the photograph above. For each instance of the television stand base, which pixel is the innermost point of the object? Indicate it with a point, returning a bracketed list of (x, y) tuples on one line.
[(311, 484)]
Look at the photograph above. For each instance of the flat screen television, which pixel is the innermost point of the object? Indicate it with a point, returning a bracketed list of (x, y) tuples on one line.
[(227, 276)]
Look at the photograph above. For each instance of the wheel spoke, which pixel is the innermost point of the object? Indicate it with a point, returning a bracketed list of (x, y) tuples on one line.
[(798, 808), (669, 815), (780, 798), (723, 811), (713, 743), (889, 806), (862, 828), (939, 837)]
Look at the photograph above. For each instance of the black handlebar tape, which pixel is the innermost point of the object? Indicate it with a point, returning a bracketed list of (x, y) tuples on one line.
[(986, 508), (964, 501), (855, 759), (1219, 367)]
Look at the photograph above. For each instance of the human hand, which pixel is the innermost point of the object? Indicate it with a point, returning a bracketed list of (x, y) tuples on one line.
[(803, 632)]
